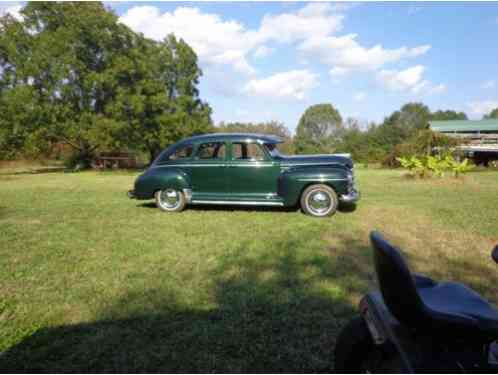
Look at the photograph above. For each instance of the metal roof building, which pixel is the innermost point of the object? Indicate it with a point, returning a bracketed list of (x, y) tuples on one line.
[(479, 138), (465, 126)]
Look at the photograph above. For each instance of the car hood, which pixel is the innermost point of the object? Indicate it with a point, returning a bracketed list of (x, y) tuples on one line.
[(343, 159)]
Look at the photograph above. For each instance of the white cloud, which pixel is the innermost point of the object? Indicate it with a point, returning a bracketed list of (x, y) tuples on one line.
[(359, 96), (215, 40), (482, 107), (346, 54), (409, 80), (491, 84), (311, 29), (228, 42), (13, 9), (313, 19), (262, 51), (293, 84)]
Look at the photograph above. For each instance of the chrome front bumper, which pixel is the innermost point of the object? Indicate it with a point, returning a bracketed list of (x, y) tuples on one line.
[(352, 197), (131, 194)]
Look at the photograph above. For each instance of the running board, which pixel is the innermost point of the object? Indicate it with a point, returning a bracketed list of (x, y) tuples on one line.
[(238, 203)]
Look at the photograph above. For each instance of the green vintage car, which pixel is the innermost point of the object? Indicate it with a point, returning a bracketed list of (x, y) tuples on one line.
[(245, 169)]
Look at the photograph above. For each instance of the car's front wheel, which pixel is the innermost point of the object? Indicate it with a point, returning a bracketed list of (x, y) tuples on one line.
[(170, 200), (319, 200)]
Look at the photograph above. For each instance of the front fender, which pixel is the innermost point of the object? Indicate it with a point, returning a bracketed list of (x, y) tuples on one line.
[(292, 182), (159, 178)]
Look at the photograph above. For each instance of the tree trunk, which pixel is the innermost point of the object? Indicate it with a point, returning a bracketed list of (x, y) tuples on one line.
[(152, 155)]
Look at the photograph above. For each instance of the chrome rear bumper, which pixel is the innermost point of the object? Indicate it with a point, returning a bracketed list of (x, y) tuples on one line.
[(352, 197)]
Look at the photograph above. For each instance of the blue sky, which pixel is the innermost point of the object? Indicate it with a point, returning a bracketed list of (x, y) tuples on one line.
[(270, 61)]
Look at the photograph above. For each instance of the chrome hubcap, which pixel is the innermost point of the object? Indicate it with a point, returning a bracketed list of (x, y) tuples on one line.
[(169, 198), (319, 202)]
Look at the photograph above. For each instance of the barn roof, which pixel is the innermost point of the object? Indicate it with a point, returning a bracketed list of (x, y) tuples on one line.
[(464, 126)]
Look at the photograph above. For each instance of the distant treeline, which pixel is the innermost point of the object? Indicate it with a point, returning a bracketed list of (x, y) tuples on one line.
[(321, 129)]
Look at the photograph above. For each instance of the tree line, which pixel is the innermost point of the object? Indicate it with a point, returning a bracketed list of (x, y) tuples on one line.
[(322, 130)]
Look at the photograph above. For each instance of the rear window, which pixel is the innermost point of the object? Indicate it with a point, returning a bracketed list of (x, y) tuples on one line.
[(182, 152), (211, 150), (247, 151)]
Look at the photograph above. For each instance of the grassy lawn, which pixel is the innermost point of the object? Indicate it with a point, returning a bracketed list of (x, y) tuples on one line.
[(93, 281)]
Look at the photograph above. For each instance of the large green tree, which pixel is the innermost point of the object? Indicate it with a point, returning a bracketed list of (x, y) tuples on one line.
[(80, 77), (163, 104), (492, 114), (319, 127)]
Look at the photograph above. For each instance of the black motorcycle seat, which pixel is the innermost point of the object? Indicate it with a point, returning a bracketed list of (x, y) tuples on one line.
[(454, 302), (421, 303)]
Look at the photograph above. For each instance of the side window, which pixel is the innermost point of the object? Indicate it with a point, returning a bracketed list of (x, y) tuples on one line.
[(183, 152), (247, 151), (211, 151)]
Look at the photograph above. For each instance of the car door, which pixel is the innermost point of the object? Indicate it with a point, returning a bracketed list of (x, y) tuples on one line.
[(252, 173), (208, 170)]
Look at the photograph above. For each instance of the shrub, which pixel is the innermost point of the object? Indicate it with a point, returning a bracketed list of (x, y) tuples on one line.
[(434, 166), (457, 167)]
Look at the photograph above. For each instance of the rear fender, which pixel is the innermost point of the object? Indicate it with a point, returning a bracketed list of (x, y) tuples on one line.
[(292, 182), (158, 178)]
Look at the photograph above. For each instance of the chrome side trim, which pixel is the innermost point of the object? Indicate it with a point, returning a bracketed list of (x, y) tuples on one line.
[(190, 165), (251, 164), (309, 164), (322, 179), (246, 164), (238, 203)]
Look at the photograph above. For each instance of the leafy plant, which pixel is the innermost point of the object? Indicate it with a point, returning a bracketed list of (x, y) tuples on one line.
[(414, 165), (434, 166), (457, 167)]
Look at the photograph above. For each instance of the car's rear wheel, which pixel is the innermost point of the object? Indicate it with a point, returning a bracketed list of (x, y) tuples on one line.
[(319, 200), (170, 200)]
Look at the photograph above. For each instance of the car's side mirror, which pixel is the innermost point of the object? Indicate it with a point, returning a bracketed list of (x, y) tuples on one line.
[(494, 254)]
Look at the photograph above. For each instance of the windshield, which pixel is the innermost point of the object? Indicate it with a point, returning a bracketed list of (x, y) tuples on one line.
[(273, 150)]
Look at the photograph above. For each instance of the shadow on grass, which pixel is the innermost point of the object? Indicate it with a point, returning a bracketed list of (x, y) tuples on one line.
[(343, 208), (277, 311), (213, 207)]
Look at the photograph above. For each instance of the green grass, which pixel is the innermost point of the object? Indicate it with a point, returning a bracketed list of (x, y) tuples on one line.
[(92, 281)]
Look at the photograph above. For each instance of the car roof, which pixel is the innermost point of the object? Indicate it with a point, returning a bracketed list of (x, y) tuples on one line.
[(265, 138)]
